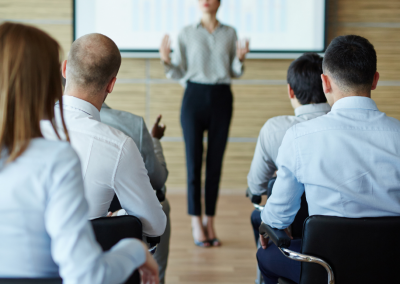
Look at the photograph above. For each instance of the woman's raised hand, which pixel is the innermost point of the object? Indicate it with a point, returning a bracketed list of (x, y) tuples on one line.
[(165, 49), (242, 49)]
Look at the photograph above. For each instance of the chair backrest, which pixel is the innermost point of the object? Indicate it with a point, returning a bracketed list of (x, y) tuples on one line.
[(301, 216), (110, 230), (359, 250)]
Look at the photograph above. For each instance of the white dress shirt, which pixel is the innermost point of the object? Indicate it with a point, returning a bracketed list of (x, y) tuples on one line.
[(270, 139), (204, 57), (111, 164), (347, 162), (150, 148), (44, 224)]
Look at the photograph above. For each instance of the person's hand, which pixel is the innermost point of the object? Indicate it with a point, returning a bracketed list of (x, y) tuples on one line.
[(149, 269), (241, 50), (264, 241), (165, 49), (158, 129), (112, 214), (288, 233)]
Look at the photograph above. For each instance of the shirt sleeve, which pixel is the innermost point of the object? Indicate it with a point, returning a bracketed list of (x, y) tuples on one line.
[(178, 66), (135, 193), (237, 67), (73, 245), (154, 159), (262, 167), (285, 201)]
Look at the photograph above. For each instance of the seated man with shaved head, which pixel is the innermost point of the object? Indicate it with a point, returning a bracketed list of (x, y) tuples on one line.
[(111, 161)]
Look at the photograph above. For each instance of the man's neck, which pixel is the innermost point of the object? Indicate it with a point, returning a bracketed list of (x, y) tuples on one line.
[(295, 103), (96, 101), (209, 22), (353, 94)]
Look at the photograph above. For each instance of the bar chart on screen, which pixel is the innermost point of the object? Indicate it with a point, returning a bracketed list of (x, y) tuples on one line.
[(284, 25)]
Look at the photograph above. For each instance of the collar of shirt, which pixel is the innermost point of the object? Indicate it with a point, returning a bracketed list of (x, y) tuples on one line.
[(312, 108), (355, 102), (74, 104), (104, 105), (200, 25)]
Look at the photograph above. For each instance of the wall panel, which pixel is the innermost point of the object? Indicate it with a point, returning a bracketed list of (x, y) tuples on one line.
[(259, 95), (128, 97), (132, 69), (368, 11), (36, 9), (166, 99), (254, 105)]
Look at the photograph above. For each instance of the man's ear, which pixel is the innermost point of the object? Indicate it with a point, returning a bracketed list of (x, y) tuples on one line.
[(326, 84), (111, 84), (64, 69), (290, 92), (375, 82)]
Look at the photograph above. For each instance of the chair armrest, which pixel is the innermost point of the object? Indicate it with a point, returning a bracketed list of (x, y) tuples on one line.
[(256, 199), (153, 240), (278, 237)]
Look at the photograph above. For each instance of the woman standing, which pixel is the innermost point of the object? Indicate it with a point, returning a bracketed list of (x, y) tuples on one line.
[(207, 56)]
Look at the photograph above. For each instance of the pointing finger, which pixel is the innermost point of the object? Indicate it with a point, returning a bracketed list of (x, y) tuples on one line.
[(158, 119)]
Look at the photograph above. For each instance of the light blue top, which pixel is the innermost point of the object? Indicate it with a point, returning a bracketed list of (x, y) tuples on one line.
[(44, 227), (348, 163), (263, 166)]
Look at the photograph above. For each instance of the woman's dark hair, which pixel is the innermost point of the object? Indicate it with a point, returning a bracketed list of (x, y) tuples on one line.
[(304, 77), (351, 61)]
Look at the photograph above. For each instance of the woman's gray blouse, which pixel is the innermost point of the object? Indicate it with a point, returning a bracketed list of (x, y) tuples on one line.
[(203, 57)]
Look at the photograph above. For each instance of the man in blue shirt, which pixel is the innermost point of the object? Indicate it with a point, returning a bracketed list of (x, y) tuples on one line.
[(347, 162)]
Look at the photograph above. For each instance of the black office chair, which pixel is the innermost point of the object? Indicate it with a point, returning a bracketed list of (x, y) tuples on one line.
[(152, 241), (109, 231), (30, 281), (344, 250)]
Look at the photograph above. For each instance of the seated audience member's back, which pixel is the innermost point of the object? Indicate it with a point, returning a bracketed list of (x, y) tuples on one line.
[(308, 101), (348, 161), (111, 162), (149, 146), (44, 227)]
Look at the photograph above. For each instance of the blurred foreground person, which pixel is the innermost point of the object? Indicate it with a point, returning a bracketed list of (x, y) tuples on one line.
[(45, 230)]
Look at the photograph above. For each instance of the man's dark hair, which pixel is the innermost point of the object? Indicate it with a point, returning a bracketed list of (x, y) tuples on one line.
[(351, 61), (304, 77)]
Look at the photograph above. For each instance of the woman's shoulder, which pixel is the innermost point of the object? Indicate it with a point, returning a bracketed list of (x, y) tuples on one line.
[(189, 28), (228, 28), (51, 150)]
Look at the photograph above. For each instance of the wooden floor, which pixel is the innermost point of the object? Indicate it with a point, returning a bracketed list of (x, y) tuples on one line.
[(234, 262)]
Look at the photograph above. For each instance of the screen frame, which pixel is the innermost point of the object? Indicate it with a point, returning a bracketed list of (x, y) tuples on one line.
[(254, 54)]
